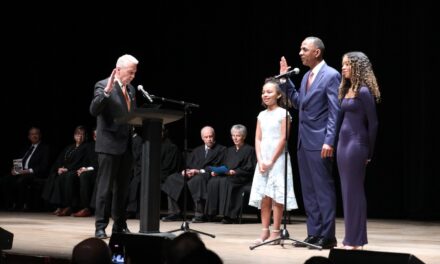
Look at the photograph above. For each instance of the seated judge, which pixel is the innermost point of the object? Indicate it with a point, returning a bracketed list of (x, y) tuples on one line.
[(224, 197), (87, 178), (62, 186), (197, 173)]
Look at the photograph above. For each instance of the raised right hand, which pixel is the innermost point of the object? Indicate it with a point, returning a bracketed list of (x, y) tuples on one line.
[(109, 88), (283, 65)]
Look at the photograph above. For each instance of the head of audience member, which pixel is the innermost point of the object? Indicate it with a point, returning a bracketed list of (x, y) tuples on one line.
[(238, 134), (318, 260), (311, 51), (34, 135), (202, 257), (182, 246), (208, 136), (91, 251)]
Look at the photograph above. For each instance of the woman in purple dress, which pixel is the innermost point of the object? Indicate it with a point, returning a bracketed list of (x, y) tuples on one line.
[(358, 94)]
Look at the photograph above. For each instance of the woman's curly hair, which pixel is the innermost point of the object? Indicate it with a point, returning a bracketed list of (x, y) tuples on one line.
[(361, 75)]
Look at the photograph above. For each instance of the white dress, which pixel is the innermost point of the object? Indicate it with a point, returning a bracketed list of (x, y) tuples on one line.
[(271, 183)]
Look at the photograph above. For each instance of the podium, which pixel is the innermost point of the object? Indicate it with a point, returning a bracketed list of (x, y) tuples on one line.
[(151, 121)]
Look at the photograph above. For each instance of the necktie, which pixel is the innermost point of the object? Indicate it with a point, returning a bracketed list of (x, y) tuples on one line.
[(27, 154), (127, 99), (206, 152), (309, 81)]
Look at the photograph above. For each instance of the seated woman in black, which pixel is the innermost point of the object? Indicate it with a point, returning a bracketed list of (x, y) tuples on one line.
[(62, 187), (226, 181)]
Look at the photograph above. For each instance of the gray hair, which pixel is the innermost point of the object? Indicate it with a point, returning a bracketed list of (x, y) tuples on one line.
[(240, 129), (207, 129), (125, 60)]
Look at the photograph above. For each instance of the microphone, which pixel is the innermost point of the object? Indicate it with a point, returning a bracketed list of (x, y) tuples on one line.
[(288, 74), (145, 93)]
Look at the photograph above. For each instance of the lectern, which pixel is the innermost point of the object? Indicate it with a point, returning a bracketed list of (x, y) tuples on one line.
[(151, 121)]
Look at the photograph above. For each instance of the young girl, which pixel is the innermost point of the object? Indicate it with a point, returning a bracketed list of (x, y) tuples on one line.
[(268, 184)]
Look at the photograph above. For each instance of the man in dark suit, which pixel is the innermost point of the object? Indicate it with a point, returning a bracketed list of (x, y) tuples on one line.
[(34, 166), (318, 105), (113, 98), (198, 173)]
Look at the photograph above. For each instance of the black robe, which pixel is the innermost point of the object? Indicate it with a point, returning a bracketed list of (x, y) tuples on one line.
[(224, 190), (170, 162), (197, 185), (62, 189)]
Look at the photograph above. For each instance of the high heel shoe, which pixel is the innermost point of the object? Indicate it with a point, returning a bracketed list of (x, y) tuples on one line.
[(276, 242), (347, 247), (264, 235)]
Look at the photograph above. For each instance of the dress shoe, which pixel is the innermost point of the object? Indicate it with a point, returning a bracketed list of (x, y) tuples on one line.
[(83, 213), (172, 217), (325, 243), (120, 230), (199, 219), (227, 220), (100, 233), (65, 212), (309, 239)]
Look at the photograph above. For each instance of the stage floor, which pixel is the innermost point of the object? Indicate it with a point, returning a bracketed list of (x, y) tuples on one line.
[(43, 234)]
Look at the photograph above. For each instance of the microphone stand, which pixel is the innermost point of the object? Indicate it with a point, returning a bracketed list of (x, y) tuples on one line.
[(186, 105), (284, 233)]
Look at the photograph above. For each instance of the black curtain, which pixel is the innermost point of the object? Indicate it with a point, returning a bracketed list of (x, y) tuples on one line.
[(218, 55)]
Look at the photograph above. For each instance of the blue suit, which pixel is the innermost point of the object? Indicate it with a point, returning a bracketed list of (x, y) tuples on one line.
[(318, 114)]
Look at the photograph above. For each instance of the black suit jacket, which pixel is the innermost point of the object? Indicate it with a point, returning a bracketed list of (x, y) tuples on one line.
[(111, 137), (39, 161)]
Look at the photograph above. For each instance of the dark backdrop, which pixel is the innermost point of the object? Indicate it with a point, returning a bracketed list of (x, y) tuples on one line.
[(217, 54)]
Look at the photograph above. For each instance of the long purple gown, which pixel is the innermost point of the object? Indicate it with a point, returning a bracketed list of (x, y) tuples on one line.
[(355, 146)]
